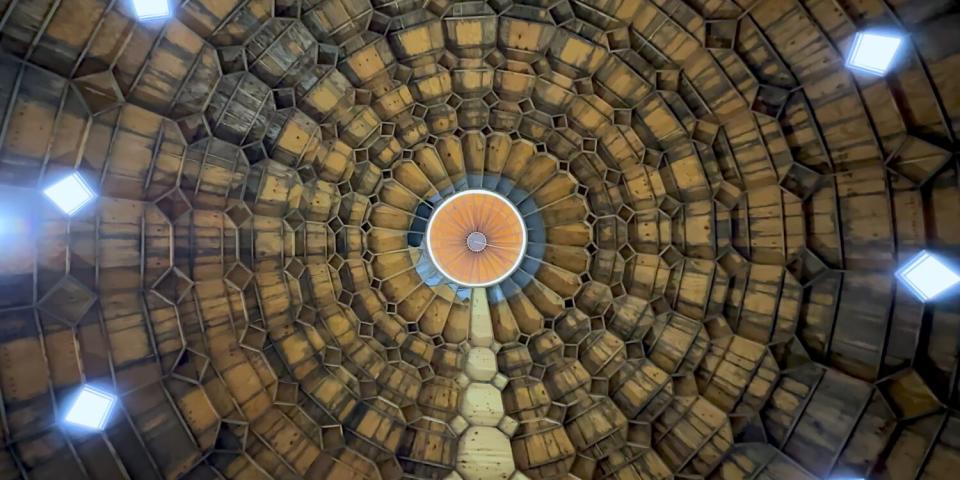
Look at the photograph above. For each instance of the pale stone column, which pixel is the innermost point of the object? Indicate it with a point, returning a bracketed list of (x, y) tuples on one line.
[(484, 450)]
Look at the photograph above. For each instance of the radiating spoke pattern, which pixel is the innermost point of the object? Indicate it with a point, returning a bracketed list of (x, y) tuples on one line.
[(476, 238)]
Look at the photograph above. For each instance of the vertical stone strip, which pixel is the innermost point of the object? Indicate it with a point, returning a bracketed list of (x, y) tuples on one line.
[(484, 450)]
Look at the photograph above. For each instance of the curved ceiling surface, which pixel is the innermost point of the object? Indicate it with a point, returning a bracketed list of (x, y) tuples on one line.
[(715, 207)]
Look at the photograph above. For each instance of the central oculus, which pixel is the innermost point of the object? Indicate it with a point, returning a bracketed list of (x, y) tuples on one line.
[(476, 238)]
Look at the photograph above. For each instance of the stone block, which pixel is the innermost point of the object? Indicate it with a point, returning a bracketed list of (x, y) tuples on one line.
[(481, 405), (485, 453), (481, 364)]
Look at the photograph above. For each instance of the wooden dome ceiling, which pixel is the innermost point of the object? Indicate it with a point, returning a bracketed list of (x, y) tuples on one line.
[(715, 204)]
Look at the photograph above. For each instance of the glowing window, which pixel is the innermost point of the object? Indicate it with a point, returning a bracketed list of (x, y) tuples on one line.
[(91, 408), (151, 9), (927, 276), (70, 193), (873, 52)]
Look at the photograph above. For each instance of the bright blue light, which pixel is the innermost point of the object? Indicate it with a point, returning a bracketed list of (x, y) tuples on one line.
[(70, 193), (151, 9), (927, 276), (91, 408), (13, 226), (873, 52)]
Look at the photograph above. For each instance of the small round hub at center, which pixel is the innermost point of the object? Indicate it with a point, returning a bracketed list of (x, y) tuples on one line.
[(476, 242)]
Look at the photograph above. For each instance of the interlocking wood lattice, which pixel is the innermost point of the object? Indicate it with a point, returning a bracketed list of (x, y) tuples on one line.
[(715, 208)]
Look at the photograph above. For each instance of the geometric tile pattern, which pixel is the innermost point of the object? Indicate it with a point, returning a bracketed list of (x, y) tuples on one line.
[(723, 205)]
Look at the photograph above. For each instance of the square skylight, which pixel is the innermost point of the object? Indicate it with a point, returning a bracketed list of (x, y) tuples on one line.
[(873, 52), (91, 408), (70, 193), (927, 276), (151, 9)]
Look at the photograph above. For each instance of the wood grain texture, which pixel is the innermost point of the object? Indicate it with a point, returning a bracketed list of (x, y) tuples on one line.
[(714, 207)]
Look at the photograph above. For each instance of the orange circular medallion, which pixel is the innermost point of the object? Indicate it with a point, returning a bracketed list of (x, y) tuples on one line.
[(476, 238)]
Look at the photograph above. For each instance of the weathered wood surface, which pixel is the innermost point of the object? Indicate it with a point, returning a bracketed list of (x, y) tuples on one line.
[(715, 206)]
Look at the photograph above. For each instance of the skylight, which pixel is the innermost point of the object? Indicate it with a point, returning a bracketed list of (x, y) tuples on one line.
[(151, 9), (70, 193), (927, 276), (91, 408), (873, 52)]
